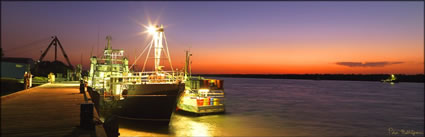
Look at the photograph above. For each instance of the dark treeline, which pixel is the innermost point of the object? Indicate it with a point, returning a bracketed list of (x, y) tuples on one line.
[(354, 77), (45, 67)]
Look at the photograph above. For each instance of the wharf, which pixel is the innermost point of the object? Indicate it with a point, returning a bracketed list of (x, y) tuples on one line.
[(46, 110)]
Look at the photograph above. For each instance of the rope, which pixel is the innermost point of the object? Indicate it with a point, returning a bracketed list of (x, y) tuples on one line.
[(30, 47), (35, 42), (150, 47), (168, 52), (141, 54)]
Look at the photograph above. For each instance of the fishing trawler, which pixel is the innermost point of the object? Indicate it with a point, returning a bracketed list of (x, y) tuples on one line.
[(145, 95), (201, 95)]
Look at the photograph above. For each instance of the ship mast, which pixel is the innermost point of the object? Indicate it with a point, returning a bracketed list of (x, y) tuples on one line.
[(157, 38), (159, 44), (186, 66)]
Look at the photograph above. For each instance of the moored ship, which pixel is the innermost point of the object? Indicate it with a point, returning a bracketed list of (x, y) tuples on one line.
[(201, 95), (145, 95)]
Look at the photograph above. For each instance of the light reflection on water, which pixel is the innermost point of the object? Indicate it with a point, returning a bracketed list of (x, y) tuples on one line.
[(266, 107), (184, 124), (193, 127)]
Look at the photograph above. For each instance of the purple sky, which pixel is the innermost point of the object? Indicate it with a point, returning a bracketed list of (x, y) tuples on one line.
[(222, 29)]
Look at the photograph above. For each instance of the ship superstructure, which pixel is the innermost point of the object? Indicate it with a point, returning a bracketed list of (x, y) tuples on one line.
[(111, 64)]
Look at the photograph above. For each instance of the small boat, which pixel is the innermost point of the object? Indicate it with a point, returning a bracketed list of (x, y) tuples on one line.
[(201, 95), (391, 79)]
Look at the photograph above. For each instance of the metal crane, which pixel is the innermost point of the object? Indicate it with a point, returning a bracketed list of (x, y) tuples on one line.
[(55, 42)]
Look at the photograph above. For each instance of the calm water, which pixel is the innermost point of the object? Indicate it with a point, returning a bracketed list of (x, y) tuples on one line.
[(283, 107)]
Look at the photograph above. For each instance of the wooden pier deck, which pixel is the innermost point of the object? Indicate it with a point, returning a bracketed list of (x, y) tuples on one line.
[(46, 110)]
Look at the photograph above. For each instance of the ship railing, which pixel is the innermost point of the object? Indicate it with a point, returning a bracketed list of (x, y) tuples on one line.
[(147, 77)]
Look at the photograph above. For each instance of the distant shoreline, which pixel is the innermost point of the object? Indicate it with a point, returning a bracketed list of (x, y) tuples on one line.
[(351, 77)]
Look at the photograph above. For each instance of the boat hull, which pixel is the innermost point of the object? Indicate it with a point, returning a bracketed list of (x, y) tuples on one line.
[(150, 101)]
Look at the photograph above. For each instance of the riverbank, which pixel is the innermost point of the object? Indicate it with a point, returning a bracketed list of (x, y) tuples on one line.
[(351, 77)]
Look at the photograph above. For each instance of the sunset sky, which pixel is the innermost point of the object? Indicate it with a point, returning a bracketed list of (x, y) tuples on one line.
[(229, 37)]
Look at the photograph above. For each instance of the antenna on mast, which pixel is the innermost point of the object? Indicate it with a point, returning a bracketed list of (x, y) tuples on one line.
[(108, 45), (97, 47), (81, 59), (91, 52)]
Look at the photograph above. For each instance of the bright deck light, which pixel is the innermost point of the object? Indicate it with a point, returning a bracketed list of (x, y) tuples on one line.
[(204, 90), (152, 29)]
